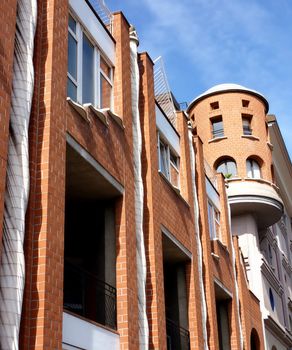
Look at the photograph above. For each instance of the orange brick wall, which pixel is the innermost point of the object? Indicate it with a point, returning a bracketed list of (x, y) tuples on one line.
[(44, 240), (235, 146), (7, 33)]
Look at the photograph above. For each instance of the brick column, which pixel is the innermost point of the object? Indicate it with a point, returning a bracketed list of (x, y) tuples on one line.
[(127, 299), (44, 237), (152, 230), (7, 34), (206, 245)]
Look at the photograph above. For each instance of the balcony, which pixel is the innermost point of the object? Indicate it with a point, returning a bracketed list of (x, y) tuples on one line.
[(87, 296), (255, 196), (177, 337)]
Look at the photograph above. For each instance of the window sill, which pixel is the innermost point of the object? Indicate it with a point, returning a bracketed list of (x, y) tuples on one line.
[(270, 146), (216, 139), (79, 109), (115, 117), (251, 137), (174, 188), (220, 244), (102, 114), (98, 113)]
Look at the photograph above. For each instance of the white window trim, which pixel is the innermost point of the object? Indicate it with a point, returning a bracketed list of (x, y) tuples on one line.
[(161, 139), (212, 220), (97, 71)]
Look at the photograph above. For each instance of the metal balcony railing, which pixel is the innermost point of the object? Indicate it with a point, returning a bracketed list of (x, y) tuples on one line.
[(178, 338), (87, 296), (162, 91), (103, 12)]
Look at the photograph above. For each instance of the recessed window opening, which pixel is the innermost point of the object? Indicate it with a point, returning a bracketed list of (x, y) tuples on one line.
[(89, 76), (245, 103), (246, 125), (168, 161), (214, 221), (253, 169), (214, 105), (271, 297), (217, 127), (228, 168)]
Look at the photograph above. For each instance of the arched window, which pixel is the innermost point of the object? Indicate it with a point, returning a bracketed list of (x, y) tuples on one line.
[(227, 167), (253, 169), (254, 340)]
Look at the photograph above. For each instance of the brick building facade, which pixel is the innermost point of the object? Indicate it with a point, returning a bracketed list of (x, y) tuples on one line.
[(82, 251)]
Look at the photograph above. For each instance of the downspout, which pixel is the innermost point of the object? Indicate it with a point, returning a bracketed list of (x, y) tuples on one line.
[(139, 195), (235, 279), (198, 241), (17, 179)]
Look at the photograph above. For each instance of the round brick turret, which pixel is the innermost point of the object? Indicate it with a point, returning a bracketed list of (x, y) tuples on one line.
[(231, 121)]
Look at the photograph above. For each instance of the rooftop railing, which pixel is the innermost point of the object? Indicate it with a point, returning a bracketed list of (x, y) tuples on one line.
[(103, 12), (88, 296), (162, 91)]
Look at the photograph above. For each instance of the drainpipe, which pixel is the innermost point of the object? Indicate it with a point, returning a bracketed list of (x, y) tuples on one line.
[(17, 180), (198, 241), (139, 195)]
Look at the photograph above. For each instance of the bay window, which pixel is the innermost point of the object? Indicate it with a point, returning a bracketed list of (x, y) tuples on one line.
[(89, 76)]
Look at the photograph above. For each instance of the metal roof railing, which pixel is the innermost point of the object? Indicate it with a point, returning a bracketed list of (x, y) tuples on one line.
[(103, 12), (162, 91)]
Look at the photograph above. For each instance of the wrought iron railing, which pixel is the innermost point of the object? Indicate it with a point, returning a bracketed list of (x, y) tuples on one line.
[(88, 296), (178, 338)]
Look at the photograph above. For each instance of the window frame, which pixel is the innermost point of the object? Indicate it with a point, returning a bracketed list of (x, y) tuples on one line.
[(225, 161), (97, 70), (169, 163), (214, 218), (251, 168), (246, 129), (214, 120)]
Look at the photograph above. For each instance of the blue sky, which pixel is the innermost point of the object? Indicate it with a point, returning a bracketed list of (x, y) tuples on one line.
[(209, 42)]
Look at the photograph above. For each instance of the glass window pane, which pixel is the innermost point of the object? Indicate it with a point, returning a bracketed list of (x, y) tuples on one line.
[(72, 56), (211, 221), (105, 68), (71, 90), (218, 128), (249, 168), (256, 170), (87, 71), (105, 93), (72, 24), (163, 159), (231, 168)]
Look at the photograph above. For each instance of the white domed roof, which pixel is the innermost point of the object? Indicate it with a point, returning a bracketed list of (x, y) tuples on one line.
[(228, 87)]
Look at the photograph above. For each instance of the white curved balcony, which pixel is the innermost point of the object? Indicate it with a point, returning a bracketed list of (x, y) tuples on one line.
[(255, 196)]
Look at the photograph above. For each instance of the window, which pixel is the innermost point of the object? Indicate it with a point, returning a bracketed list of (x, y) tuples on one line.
[(214, 105), (217, 127), (228, 168), (168, 161), (89, 77), (246, 122), (214, 220), (271, 297), (245, 103), (253, 169)]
